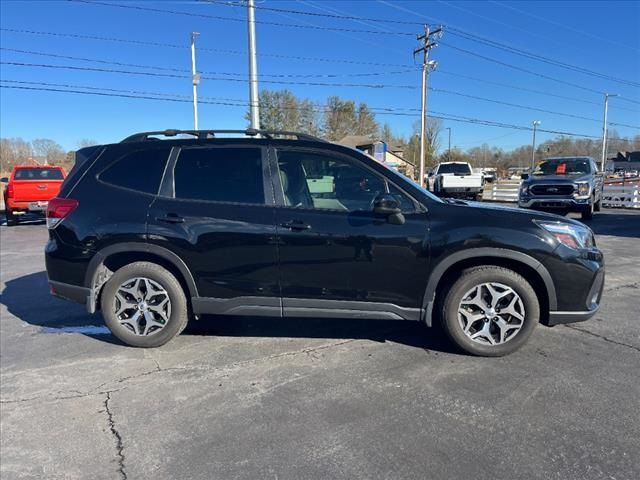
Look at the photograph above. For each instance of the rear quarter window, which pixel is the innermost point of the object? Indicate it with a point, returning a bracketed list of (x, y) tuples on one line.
[(140, 170)]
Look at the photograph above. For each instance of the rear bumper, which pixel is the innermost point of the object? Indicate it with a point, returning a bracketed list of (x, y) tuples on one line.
[(459, 190), (27, 206), (69, 292)]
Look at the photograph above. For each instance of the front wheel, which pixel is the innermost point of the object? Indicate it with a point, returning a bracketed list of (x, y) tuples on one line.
[(587, 213), (144, 305), (598, 206), (490, 311)]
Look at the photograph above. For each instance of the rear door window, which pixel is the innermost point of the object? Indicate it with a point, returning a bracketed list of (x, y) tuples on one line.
[(140, 170), (219, 174), (38, 174)]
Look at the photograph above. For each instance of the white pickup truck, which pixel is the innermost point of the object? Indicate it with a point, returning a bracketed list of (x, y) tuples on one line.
[(455, 179)]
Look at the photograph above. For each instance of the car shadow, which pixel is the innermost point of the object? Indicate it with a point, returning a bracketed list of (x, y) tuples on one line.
[(28, 299), (28, 219)]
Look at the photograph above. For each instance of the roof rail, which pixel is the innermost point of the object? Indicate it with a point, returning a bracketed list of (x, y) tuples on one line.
[(208, 134)]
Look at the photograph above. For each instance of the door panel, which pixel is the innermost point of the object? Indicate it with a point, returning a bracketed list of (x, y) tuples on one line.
[(230, 247), (331, 244)]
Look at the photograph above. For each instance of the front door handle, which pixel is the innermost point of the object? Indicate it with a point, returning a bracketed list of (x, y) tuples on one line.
[(170, 218), (296, 225)]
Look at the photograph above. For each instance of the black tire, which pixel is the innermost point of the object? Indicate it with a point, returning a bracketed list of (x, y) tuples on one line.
[(587, 213), (481, 275), (178, 318), (597, 206), (11, 218)]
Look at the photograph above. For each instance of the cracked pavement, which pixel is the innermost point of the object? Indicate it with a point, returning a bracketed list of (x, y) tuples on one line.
[(299, 399)]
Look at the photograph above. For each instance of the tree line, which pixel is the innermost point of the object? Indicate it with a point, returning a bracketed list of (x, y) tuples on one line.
[(18, 151), (337, 118)]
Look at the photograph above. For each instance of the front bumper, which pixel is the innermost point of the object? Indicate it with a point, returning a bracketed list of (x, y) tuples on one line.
[(572, 203), (591, 303)]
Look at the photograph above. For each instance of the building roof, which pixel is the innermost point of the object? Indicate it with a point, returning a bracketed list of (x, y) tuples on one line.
[(357, 141)]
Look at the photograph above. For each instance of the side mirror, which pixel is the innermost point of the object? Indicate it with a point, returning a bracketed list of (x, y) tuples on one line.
[(4, 180), (389, 206), (524, 176)]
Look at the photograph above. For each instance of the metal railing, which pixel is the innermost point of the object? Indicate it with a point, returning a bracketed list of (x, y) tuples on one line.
[(616, 195)]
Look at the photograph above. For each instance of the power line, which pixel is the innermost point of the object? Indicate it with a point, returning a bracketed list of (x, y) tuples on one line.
[(514, 67), (232, 19), (540, 58), (455, 31), (564, 26), (451, 28), (20, 85), (313, 14), (156, 67), (318, 84), (482, 39), (216, 50), (315, 59)]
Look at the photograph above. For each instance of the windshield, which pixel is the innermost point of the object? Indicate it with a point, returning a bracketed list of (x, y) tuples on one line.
[(461, 168), (563, 166), (38, 174)]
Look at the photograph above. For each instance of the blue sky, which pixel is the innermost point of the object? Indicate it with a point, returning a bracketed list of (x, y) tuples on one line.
[(599, 36)]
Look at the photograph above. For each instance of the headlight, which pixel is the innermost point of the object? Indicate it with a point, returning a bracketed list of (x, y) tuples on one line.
[(573, 236), (524, 189), (583, 189)]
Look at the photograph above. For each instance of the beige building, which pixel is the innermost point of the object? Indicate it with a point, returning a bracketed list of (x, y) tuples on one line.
[(390, 155)]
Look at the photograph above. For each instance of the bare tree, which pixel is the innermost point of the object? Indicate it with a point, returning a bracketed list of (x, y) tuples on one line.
[(48, 149), (87, 142)]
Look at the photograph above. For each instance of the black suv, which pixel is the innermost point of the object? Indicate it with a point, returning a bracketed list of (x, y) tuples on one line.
[(153, 231), (563, 184)]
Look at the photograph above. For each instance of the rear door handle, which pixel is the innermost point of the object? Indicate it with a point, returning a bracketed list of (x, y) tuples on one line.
[(296, 225), (170, 218)]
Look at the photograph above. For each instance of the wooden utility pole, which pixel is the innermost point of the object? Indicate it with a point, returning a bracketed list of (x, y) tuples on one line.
[(427, 66)]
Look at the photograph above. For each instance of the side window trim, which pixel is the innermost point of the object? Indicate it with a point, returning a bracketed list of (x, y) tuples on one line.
[(280, 202), (168, 188)]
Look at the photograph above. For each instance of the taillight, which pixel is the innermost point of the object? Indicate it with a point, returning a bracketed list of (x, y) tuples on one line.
[(58, 209), (10, 190)]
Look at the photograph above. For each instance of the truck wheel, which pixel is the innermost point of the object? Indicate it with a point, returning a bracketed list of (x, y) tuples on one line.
[(11, 218), (144, 305), (597, 206), (490, 311), (587, 213)]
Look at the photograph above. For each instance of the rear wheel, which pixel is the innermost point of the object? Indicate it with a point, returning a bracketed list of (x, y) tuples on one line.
[(11, 218), (490, 311), (144, 305)]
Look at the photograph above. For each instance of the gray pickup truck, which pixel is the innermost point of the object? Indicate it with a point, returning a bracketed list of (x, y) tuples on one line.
[(562, 185)]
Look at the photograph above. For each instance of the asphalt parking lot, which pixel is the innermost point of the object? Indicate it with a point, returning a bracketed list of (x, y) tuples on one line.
[(261, 398)]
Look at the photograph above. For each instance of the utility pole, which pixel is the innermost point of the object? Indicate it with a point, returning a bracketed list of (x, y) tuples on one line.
[(605, 129), (427, 66), (195, 79), (254, 101), (533, 145), (449, 149)]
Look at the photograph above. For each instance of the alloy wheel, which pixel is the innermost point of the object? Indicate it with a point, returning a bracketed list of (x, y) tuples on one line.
[(491, 313), (143, 306)]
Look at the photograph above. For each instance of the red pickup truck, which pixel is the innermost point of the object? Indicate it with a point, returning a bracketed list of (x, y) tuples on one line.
[(29, 189)]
